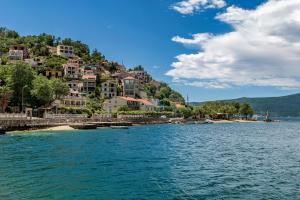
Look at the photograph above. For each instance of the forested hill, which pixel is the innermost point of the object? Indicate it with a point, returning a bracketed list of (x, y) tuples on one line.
[(278, 106)]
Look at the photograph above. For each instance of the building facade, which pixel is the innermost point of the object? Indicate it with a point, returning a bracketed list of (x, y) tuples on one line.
[(130, 87), (89, 83), (140, 75), (72, 71), (74, 100), (65, 51), (112, 105), (75, 85), (15, 55), (108, 89), (18, 51), (53, 73)]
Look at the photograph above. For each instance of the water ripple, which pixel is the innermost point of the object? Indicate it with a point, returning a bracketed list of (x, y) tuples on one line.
[(223, 161)]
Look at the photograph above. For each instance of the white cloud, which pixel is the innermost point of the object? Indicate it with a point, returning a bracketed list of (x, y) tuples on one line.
[(197, 40), (262, 50), (191, 6)]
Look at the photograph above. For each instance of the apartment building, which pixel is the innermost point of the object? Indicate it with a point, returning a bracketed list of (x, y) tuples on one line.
[(108, 89), (65, 51)]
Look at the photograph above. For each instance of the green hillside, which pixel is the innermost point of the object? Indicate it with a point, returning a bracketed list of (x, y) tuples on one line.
[(277, 106)]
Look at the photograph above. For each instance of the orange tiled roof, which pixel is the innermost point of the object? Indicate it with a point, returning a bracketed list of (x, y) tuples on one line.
[(144, 101), (129, 77), (89, 77)]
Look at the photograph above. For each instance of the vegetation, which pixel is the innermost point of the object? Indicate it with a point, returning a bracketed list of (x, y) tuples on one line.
[(217, 110), (164, 93), (277, 106), (20, 84)]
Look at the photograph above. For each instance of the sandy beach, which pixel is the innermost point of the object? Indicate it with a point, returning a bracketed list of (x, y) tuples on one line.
[(58, 128), (232, 121)]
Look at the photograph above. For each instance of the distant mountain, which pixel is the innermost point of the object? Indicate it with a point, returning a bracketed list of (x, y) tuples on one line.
[(277, 106)]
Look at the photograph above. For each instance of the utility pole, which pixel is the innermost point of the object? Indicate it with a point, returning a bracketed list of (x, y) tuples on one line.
[(187, 99), (25, 86)]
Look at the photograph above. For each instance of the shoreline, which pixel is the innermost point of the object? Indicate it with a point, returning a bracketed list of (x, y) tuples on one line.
[(60, 128)]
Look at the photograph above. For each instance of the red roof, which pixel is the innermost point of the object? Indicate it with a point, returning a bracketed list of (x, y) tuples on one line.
[(129, 77), (89, 77), (144, 101)]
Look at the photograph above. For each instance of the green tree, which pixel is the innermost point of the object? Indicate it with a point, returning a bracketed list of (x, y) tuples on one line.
[(164, 102), (59, 87), (94, 104), (246, 110), (96, 57), (123, 108), (186, 112), (54, 62), (42, 90), (21, 79), (5, 93)]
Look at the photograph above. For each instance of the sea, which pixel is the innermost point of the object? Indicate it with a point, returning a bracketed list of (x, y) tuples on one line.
[(213, 161)]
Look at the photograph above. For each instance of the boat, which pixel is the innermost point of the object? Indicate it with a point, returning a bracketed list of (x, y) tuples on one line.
[(268, 119), (119, 127)]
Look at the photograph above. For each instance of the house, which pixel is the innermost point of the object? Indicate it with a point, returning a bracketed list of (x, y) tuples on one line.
[(112, 105), (52, 50), (18, 52), (130, 87), (89, 83), (146, 105), (72, 71), (139, 75), (65, 51), (35, 62), (119, 76), (88, 70), (15, 55), (73, 100), (108, 89), (53, 73), (75, 85), (77, 61)]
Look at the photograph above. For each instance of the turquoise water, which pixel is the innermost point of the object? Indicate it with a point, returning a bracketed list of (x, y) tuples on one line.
[(221, 161)]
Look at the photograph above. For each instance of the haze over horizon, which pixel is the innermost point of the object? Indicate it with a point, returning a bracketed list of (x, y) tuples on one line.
[(208, 49)]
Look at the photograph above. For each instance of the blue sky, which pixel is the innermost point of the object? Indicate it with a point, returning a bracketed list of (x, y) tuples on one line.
[(140, 32)]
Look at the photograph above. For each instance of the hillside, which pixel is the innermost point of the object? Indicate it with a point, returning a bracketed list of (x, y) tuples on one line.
[(278, 106), (46, 71)]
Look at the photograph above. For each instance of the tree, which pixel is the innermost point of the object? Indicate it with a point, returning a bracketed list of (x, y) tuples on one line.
[(185, 111), (199, 112), (137, 68), (42, 90), (123, 108), (164, 102), (54, 62), (21, 79), (3, 60), (246, 110), (94, 104), (96, 57), (5, 93), (59, 87)]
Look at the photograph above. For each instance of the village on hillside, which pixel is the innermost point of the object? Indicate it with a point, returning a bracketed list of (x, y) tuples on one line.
[(46, 77), (95, 85)]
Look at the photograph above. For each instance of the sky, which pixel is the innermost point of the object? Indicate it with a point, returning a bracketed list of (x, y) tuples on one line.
[(206, 49)]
